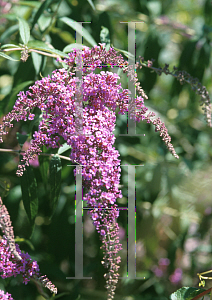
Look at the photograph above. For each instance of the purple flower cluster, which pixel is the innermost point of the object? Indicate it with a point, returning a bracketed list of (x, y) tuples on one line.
[(7, 229), (56, 97), (6, 296), (28, 268), (9, 266), (12, 260)]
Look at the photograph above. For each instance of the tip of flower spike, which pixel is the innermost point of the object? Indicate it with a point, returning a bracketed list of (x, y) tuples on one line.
[(7, 229), (47, 283)]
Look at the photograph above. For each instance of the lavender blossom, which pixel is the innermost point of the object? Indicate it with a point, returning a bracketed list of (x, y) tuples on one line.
[(13, 261), (55, 97), (5, 296)]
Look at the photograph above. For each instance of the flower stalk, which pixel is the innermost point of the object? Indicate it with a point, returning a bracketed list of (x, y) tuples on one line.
[(184, 77)]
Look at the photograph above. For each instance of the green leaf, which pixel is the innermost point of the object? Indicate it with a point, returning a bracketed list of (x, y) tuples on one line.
[(154, 7), (155, 184), (44, 22), (22, 240), (64, 148), (207, 12), (44, 165), (39, 12), (4, 187), (59, 296), (70, 47), (8, 32), (126, 53), (20, 87), (16, 90), (105, 37), (39, 45), (10, 99), (29, 195), (39, 62), (7, 56), (11, 17), (24, 30), (55, 182), (77, 27), (21, 138), (33, 4), (91, 4), (9, 45), (186, 293)]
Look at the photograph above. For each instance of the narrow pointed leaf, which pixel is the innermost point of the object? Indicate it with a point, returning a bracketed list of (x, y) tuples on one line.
[(63, 148), (77, 27), (7, 103), (7, 56), (55, 182), (60, 295), (70, 47), (4, 187), (44, 165), (10, 16), (186, 293), (20, 87), (33, 4), (23, 240), (44, 22), (126, 53), (21, 138), (91, 4), (39, 12), (29, 195), (39, 45), (9, 45), (105, 37), (39, 61), (15, 91), (24, 30), (8, 32), (155, 184)]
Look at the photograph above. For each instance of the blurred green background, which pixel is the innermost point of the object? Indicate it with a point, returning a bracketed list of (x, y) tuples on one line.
[(173, 197)]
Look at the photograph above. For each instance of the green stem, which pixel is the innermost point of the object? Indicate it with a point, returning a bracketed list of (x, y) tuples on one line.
[(20, 152), (30, 50)]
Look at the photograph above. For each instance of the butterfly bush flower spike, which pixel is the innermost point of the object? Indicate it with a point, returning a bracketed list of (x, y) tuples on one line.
[(93, 149), (13, 261)]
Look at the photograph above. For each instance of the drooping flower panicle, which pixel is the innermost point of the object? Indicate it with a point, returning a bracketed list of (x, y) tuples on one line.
[(13, 261), (56, 97), (7, 229), (184, 77)]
